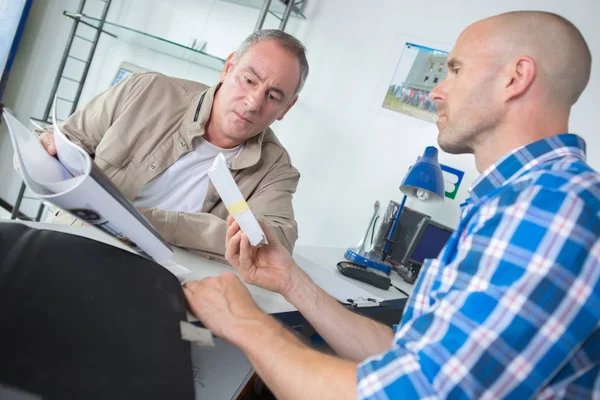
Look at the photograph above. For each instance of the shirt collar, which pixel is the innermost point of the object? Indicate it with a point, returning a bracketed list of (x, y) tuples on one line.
[(524, 159), (251, 151)]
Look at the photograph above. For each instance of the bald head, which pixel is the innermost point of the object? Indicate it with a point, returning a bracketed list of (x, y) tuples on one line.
[(512, 80), (562, 57)]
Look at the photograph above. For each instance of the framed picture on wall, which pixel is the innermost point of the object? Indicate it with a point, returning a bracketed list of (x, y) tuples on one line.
[(416, 66), (126, 69)]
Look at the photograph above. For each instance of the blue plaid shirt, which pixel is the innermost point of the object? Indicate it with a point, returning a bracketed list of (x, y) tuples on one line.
[(511, 307)]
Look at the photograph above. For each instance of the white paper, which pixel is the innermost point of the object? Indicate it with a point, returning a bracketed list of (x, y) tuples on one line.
[(31, 156), (197, 335), (34, 123), (176, 269), (73, 157), (90, 194), (230, 194)]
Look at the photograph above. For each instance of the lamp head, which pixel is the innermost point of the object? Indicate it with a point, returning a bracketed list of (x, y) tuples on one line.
[(424, 180)]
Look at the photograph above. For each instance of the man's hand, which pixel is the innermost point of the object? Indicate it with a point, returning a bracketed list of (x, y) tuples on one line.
[(47, 139), (223, 304), (269, 266)]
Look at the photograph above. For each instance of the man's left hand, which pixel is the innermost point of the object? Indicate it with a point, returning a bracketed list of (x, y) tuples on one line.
[(223, 304)]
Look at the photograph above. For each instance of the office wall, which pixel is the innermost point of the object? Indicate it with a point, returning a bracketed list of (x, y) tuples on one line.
[(351, 155), (348, 152)]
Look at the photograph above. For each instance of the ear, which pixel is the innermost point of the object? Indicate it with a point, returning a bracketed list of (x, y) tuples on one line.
[(294, 100), (521, 74), (229, 63)]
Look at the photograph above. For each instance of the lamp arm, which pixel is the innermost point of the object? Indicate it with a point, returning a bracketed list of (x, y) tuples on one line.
[(390, 238)]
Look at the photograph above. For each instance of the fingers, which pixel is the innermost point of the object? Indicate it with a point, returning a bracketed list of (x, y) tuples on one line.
[(232, 249), (47, 139), (188, 292), (192, 286), (246, 252), (189, 296), (233, 228)]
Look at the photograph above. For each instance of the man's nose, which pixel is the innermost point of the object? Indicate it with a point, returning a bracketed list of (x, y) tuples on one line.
[(253, 100), (439, 94)]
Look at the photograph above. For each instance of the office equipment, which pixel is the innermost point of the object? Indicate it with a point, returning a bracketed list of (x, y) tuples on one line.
[(427, 244), (332, 282), (103, 324), (364, 242), (411, 225), (365, 274), (423, 181)]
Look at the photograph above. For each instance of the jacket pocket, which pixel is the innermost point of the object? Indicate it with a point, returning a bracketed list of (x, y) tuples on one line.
[(110, 167)]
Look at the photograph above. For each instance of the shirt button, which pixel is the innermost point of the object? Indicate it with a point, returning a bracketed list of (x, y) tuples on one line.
[(152, 167), (181, 143), (213, 198)]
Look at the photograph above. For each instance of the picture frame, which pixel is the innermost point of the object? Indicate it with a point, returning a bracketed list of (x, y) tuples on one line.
[(126, 69), (415, 67)]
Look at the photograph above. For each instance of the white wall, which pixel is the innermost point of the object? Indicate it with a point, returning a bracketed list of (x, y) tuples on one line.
[(349, 154)]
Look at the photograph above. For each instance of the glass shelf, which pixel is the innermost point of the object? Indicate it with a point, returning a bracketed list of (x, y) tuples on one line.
[(151, 42), (277, 7)]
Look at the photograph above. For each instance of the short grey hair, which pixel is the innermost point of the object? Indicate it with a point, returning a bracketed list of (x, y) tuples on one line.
[(286, 41)]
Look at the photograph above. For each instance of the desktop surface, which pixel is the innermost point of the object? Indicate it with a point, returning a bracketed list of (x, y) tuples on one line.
[(319, 263)]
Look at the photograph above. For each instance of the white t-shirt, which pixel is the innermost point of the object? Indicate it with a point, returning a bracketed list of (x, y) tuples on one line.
[(183, 186)]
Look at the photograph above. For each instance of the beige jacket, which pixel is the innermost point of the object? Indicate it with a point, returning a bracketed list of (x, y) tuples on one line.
[(138, 128)]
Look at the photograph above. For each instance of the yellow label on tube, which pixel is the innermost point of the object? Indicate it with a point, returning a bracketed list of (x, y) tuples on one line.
[(238, 207)]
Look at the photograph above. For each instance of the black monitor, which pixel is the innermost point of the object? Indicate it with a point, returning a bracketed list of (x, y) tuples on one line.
[(428, 245)]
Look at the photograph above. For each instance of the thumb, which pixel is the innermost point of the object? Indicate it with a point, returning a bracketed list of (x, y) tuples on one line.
[(47, 139)]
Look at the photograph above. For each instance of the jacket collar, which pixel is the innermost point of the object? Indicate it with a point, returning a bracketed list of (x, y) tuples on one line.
[(523, 159), (251, 152)]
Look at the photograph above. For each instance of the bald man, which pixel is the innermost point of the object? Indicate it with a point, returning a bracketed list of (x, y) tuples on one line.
[(510, 308)]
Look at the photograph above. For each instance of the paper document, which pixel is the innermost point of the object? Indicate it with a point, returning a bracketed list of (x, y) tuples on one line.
[(176, 269), (74, 183), (195, 334), (234, 201)]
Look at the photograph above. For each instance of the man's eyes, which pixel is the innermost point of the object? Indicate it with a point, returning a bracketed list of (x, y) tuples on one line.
[(270, 96)]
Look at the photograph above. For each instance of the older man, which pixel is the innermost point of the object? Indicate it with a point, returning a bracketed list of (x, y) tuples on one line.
[(510, 308), (156, 137)]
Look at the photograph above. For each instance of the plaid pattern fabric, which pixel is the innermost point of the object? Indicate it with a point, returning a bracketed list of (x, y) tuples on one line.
[(511, 307)]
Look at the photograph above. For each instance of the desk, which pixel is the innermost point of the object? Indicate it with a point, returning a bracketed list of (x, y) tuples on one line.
[(318, 262), (327, 259)]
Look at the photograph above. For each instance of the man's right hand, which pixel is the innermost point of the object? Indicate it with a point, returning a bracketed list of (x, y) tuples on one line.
[(269, 266), (47, 139)]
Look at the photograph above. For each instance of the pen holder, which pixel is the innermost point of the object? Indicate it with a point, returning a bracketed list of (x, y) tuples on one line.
[(384, 227)]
